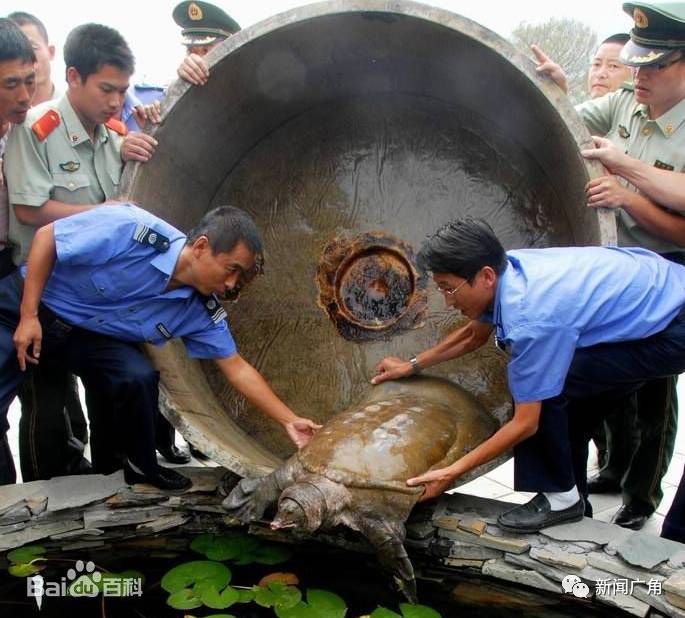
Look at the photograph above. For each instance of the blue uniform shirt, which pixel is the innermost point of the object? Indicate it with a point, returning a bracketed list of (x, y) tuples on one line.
[(551, 301), (111, 274)]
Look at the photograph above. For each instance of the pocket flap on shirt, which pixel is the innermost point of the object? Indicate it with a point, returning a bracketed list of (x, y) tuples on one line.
[(70, 180)]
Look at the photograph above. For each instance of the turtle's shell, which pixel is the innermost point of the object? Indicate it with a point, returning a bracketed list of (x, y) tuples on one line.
[(400, 430)]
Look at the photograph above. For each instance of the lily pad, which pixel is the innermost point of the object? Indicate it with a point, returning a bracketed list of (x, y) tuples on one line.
[(24, 570), (289, 579), (320, 604), (213, 598), (190, 573), (418, 611), (246, 596), (26, 554), (271, 554), (184, 599), (225, 546)]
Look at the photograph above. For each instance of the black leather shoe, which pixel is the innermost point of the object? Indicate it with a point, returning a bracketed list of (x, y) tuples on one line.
[(173, 454), (537, 514), (161, 478), (629, 517), (599, 485)]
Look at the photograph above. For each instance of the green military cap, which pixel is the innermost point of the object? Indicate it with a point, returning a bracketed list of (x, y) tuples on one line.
[(203, 23), (658, 33)]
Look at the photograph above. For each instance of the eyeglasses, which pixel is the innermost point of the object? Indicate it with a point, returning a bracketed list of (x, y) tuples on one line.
[(453, 291)]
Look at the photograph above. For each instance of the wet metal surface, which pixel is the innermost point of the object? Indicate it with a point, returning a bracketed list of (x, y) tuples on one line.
[(336, 121)]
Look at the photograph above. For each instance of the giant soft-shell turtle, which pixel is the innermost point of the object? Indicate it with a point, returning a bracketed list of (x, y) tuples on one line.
[(353, 471)]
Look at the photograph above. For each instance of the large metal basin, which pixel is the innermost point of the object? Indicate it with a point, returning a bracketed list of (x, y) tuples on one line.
[(342, 120)]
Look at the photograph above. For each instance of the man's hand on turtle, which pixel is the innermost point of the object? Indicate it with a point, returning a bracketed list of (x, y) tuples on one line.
[(28, 334), (547, 66), (607, 192), (194, 69), (152, 113), (391, 368), (300, 430), (138, 147), (436, 482), (608, 154)]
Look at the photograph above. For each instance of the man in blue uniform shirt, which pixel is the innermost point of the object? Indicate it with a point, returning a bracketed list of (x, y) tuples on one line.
[(115, 276), (578, 323)]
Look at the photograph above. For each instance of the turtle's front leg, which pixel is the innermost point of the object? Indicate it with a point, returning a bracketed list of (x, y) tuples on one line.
[(251, 497), (387, 537)]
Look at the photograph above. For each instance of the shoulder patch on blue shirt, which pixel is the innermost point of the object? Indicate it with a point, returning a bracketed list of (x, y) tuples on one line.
[(147, 236), (214, 308)]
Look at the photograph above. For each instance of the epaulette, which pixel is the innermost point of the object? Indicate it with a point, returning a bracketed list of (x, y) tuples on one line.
[(117, 126), (629, 86), (145, 235), (214, 308), (46, 124)]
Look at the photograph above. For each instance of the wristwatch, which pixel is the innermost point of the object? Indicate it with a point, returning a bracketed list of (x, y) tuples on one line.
[(416, 368)]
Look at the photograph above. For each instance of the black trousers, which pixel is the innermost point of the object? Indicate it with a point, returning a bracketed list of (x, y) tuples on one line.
[(555, 458), (118, 371)]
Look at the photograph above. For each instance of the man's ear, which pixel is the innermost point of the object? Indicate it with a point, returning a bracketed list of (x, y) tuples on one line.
[(200, 245), (51, 52), (489, 276), (73, 76)]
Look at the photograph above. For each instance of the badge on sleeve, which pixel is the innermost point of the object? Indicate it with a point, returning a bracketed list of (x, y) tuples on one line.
[(623, 132), (164, 331), (46, 124), (147, 236), (214, 308), (663, 166)]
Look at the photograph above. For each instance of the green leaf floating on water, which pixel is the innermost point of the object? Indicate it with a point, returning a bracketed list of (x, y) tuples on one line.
[(320, 604), (190, 573), (24, 570), (184, 599), (384, 612), (418, 611), (24, 555), (240, 548), (246, 596), (408, 611), (214, 599)]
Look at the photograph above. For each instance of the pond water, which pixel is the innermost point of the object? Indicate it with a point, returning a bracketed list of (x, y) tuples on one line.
[(356, 578)]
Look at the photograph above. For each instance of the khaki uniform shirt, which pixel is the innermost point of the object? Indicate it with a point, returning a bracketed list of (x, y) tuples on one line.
[(66, 166), (660, 142)]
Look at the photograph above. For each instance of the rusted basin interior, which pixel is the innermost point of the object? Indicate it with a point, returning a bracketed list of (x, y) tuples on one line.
[(336, 124)]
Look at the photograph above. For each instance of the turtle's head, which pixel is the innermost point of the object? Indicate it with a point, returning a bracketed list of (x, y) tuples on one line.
[(301, 505)]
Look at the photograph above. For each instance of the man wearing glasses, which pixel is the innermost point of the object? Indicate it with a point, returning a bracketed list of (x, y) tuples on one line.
[(577, 323), (646, 122)]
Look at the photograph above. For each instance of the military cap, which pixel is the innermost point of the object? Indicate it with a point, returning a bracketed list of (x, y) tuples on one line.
[(203, 23), (659, 32)]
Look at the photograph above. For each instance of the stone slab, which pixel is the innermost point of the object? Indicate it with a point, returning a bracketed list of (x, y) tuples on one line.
[(589, 574), (615, 566), (165, 522), (463, 563), (676, 583), (420, 530), (465, 505), (20, 525), (586, 529), (128, 498), (677, 561), (69, 492), (11, 495), (467, 551), (35, 533), (675, 600), (503, 543), (472, 525), (205, 479), (659, 602), (76, 545), (81, 533), (557, 557), (624, 602), (106, 518), (646, 550), (502, 570)]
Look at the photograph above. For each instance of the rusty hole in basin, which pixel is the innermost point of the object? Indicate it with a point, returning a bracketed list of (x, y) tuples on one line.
[(370, 286)]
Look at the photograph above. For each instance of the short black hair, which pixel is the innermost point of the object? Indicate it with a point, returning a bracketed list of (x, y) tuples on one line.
[(22, 18), (462, 247), (13, 43), (620, 37), (225, 227), (91, 46)]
